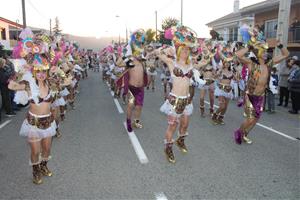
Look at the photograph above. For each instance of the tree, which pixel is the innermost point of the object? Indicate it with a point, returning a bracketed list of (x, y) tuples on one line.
[(149, 36), (56, 28)]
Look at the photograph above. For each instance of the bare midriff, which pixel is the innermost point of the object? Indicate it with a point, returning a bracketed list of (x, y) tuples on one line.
[(180, 86), (136, 75), (40, 109)]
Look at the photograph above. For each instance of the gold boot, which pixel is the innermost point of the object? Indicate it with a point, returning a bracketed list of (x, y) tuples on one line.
[(181, 145), (44, 169), (36, 173), (137, 124), (58, 134), (211, 111), (214, 120), (169, 153), (246, 139), (202, 112), (220, 119)]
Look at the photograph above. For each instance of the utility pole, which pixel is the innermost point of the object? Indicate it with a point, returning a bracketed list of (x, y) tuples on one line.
[(24, 13), (126, 35), (181, 12), (50, 28), (283, 23), (156, 25)]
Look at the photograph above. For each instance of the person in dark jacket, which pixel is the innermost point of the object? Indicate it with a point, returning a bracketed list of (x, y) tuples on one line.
[(294, 87), (6, 99), (284, 72)]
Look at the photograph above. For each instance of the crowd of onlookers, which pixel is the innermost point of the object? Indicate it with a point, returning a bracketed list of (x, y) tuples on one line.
[(287, 80)]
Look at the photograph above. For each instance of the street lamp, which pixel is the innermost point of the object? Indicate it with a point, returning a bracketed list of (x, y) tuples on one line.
[(117, 16)]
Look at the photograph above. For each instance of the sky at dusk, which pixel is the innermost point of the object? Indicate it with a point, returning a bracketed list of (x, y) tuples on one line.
[(98, 18)]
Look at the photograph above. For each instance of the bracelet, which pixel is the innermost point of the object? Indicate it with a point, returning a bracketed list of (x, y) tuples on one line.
[(280, 46)]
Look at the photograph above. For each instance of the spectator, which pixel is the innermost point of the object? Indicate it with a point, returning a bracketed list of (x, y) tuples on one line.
[(284, 72), (272, 90), (294, 87), (4, 76), (10, 70)]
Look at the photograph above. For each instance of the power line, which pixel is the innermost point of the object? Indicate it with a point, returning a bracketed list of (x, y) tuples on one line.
[(168, 4), (38, 12)]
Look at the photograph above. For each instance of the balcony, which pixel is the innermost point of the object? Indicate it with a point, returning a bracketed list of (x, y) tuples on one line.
[(293, 38), (294, 35)]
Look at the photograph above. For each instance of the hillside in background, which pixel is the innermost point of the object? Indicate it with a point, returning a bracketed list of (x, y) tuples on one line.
[(91, 42)]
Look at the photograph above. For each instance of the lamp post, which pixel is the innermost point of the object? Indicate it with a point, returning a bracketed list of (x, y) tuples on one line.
[(117, 16), (181, 15)]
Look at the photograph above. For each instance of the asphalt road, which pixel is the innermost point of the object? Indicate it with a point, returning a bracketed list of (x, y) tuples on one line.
[(95, 158)]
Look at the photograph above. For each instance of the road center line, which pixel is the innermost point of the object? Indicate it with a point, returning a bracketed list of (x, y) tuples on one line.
[(275, 131), (118, 106), (5, 123), (160, 196), (137, 146), (268, 128)]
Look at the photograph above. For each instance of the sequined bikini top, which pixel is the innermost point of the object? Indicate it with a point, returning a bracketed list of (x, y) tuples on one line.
[(180, 72), (47, 99), (227, 77), (206, 69)]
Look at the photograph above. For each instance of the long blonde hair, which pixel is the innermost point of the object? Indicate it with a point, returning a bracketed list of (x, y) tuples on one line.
[(178, 52)]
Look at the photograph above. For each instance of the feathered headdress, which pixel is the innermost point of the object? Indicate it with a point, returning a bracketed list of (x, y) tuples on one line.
[(181, 36), (254, 38), (137, 42)]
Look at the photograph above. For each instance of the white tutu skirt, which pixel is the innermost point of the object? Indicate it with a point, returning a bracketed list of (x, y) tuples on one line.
[(58, 102), (73, 83), (168, 109), (207, 87), (222, 93), (30, 131), (65, 92)]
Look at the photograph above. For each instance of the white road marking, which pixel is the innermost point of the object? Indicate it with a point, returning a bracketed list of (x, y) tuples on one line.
[(118, 106), (275, 131), (5, 123), (160, 196), (215, 106), (266, 127), (137, 146)]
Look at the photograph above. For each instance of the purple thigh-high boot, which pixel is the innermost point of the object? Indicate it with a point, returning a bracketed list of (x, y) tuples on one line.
[(238, 134), (129, 128)]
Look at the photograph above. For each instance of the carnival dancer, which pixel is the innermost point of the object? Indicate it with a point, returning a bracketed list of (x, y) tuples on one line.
[(178, 106), (137, 78), (208, 73), (118, 72), (71, 87), (223, 90), (242, 71), (57, 83), (39, 125), (165, 78), (151, 65), (259, 66)]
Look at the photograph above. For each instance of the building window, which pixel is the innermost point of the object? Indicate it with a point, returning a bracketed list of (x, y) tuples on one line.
[(271, 28), (233, 34), (3, 34)]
